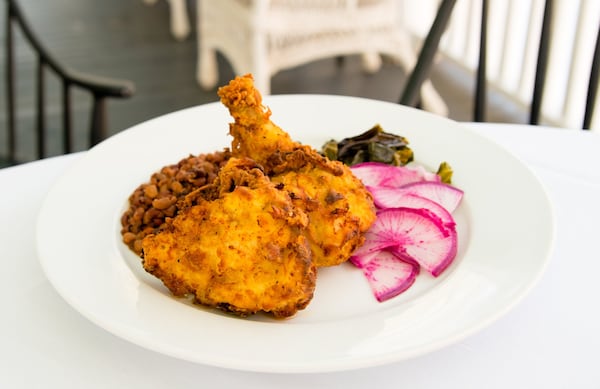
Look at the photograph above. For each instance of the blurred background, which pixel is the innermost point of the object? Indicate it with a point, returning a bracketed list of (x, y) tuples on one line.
[(133, 40)]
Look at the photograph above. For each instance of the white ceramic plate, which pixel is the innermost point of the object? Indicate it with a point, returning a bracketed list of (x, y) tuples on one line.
[(505, 227)]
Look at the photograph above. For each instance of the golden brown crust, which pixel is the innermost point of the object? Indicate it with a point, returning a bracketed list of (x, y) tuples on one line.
[(243, 252)]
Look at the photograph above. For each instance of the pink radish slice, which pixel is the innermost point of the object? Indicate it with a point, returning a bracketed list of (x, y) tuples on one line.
[(381, 174), (387, 275), (447, 196), (395, 198), (412, 234)]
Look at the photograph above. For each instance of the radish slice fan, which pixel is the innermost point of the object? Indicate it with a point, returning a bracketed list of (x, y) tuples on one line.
[(414, 228)]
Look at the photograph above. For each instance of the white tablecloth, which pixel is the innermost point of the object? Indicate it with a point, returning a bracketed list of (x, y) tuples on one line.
[(550, 340)]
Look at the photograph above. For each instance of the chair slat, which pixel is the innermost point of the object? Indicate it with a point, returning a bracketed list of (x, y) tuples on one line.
[(67, 117), (10, 87), (98, 120), (40, 109)]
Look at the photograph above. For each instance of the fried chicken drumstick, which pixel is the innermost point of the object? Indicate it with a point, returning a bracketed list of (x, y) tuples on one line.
[(241, 247), (339, 208)]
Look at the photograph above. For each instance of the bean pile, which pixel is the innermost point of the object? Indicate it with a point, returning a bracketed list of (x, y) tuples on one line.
[(155, 202)]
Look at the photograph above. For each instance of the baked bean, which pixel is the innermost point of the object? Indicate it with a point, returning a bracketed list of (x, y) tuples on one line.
[(164, 202), (176, 187), (151, 191), (170, 212), (137, 246), (150, 215), (128, 237)]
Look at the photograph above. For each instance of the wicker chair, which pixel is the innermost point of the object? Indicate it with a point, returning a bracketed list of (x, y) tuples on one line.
[(263, 37), (179, 19)]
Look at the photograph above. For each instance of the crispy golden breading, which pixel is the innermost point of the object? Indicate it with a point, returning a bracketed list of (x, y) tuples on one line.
[(240, 248), (339, 208)]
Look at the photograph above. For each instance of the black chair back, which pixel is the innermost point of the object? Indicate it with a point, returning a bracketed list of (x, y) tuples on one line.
[(99, 88)]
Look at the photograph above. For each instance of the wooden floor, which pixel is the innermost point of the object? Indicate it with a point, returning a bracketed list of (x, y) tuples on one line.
[(130, 40)]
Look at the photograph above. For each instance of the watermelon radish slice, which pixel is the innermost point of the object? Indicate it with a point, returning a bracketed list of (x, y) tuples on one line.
[(415, 235), (381, 174), (386, 274), (391, 198), (447, 196)]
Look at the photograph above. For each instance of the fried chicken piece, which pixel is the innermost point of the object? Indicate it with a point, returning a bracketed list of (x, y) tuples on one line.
[(239, 246), (339, 208)]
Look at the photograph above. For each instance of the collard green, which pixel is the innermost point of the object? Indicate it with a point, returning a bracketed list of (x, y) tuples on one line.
[(373, 145)]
